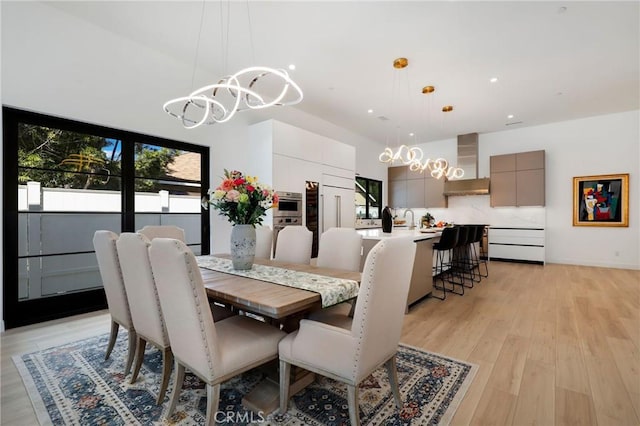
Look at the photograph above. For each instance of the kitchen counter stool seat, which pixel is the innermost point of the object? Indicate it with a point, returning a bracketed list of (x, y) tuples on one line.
[(444, 269)]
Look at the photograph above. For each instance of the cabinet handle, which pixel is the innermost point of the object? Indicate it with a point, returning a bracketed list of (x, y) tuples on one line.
[(322, 205), (338, 211)]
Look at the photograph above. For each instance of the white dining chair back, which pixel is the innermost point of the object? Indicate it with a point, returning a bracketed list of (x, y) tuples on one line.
[(104, 244), (351, 353), (214, 351), (133, 252), (294, 245), (264, 242), (340, 248), (163, 231)]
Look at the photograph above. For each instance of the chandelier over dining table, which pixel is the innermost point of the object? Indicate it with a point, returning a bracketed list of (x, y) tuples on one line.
[(251, 88)]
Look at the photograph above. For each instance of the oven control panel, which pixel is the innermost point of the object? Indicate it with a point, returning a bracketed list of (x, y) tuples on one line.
[(284, 221)]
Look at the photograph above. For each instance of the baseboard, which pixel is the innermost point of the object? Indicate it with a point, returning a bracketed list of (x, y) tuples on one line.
[(595, 264), (532, 262)]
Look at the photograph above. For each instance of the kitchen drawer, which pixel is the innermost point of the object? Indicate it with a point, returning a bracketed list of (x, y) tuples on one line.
[(514, 252), (517, 243), (516, 236)]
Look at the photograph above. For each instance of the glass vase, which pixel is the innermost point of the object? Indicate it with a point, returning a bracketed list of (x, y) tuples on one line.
[(243, 246)]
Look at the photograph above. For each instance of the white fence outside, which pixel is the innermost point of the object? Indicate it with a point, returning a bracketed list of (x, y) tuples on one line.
[(55, 220)]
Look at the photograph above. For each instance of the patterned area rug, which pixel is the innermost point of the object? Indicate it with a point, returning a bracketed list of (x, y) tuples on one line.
[(73, 385)]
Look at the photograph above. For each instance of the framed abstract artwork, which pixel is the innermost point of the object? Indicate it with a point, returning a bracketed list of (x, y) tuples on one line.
[(601, 200)]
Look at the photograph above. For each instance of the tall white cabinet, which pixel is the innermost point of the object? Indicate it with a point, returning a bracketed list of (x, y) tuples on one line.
[(287, 157)]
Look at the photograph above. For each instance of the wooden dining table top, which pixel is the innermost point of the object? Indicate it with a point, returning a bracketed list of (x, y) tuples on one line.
[(265, 298)]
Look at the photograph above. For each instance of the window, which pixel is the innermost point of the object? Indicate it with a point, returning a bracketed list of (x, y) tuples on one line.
[(73, 179), (368, 198)]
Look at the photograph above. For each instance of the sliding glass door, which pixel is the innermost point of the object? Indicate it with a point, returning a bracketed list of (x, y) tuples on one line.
[(63, 180)]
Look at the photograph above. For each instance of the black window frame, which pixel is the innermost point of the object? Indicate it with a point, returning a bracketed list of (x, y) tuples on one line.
[(367, 186), (17, 313)]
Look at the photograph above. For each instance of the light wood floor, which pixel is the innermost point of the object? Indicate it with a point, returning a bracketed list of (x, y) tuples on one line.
[(556, 345)]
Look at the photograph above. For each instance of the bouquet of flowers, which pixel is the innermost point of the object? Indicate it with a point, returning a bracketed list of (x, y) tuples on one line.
[(241, 198)]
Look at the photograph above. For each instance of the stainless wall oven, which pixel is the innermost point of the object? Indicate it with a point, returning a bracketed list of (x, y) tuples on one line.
[(290, 204)]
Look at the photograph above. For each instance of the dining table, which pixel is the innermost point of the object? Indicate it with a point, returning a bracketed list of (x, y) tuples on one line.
[(283, 305)]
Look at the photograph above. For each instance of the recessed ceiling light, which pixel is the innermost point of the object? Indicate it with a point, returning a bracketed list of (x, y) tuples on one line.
[(292, 67), (447, 108), (562, 9), (411, 134), (493, 80), (510, 116), (370, 111)]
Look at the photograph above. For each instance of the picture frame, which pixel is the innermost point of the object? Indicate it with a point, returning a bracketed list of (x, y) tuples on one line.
[(601, 200)]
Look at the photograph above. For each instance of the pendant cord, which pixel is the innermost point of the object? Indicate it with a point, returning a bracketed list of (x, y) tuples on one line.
[(195, 59), (253, 51), (224, 38)]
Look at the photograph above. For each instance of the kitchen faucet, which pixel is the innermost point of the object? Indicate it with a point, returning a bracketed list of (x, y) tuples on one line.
[(412, 223)]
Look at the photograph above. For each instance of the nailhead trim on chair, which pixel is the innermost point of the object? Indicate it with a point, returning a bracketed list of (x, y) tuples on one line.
[(198, 306), (364, 309)]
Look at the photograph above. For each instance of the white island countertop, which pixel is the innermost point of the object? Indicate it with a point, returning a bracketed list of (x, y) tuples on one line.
[(415, 234)]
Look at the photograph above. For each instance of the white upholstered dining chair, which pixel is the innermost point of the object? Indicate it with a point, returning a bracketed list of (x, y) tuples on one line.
[(213, 351), (351, 351), (294, 245), (133, 252), (163, 231), (340, 248), (104, 244), (264, 242)]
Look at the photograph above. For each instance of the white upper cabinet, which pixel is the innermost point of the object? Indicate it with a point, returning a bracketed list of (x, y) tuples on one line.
[(338, 154), (296, 142)]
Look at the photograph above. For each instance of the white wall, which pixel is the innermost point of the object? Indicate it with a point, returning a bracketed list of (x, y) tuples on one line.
[(606, 144)]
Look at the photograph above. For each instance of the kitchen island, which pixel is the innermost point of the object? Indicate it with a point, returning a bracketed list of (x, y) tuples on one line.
[(422, 275)]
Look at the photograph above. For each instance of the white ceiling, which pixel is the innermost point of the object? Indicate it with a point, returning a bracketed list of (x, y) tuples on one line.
[(555, 61)]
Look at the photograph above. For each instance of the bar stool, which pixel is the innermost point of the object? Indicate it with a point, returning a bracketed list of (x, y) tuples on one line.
[(482, 256), (443, 250), (475, 235), (461, 259)]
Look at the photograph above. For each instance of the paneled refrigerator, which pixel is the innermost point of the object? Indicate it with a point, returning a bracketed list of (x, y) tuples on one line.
[(338, 206)]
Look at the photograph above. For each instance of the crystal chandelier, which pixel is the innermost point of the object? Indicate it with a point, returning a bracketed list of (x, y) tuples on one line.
[(256, 87)]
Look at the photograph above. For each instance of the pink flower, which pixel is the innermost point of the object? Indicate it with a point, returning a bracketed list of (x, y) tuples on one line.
[(250, 188), (232, 196)]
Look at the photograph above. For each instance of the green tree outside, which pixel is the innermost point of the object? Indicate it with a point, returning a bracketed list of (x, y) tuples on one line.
[(63, 159)]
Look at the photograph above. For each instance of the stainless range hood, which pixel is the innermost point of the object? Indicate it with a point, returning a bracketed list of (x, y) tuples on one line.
[(467, 161)]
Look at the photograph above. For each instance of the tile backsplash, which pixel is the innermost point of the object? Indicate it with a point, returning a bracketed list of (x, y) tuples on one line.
[(477, 209)]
